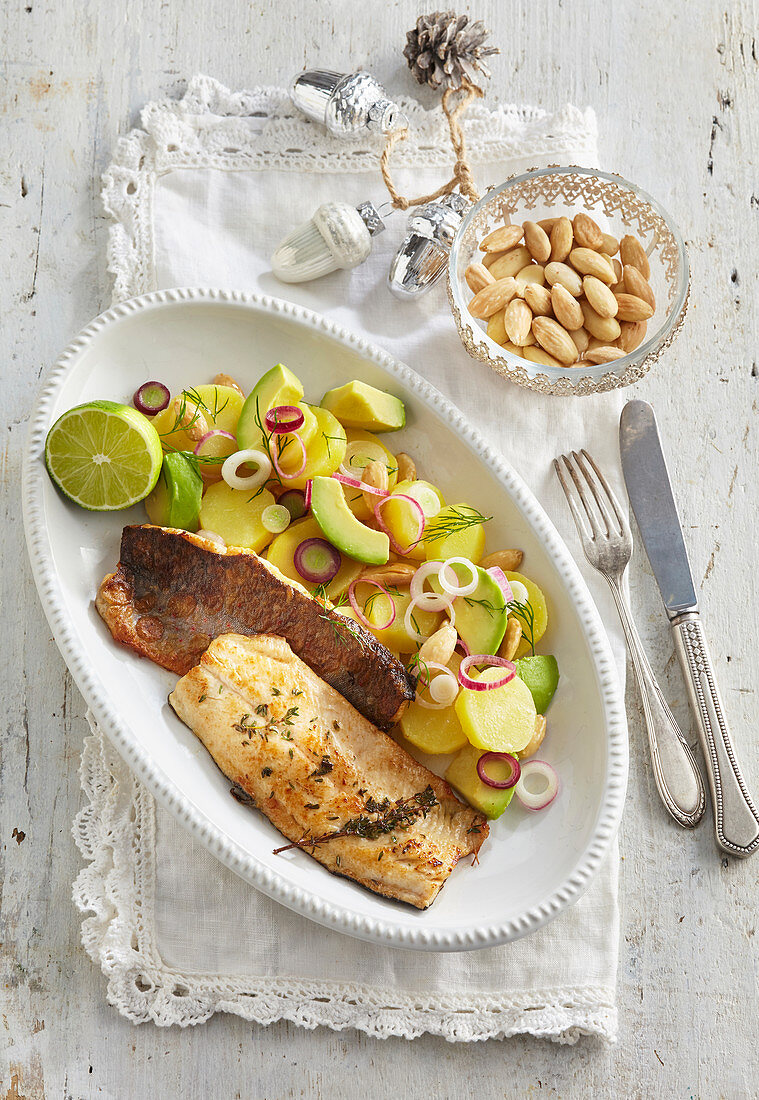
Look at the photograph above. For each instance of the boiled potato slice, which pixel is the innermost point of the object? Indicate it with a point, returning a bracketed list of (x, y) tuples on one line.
[(324, 453), (235, 514), (434, 731), (362, 448), (469, 542), (220, 406), (501, 719), (376, 607), (402, 519), (282, 554)]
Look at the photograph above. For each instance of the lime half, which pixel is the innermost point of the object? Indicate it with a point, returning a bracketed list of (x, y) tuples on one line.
[(103, 456)]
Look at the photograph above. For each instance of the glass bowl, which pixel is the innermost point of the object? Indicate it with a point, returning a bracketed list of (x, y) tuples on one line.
[(619, 207)]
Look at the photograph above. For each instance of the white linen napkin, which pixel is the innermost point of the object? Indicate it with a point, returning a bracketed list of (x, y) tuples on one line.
[(200, 197)]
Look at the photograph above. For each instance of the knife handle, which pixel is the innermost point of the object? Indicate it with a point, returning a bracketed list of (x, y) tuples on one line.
[(678, 779), (736, 821)]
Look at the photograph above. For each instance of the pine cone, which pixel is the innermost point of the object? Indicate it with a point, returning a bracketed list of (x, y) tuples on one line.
[(445, 49)]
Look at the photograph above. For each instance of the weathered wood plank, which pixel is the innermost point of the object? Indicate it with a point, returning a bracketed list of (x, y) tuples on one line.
[(675, 88)]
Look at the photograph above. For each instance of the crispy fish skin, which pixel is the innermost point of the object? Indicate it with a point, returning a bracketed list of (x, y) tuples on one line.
[(174, 592), (310, 762)]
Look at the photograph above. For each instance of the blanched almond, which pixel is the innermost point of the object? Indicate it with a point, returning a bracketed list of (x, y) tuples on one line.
[(493, 297), (587, 233), (619, 277), (558, 272), (501, 239), (605, 329), (537, 242), (631, 251), (547, 224), (477, 276), (581, 339), (398, 573), (375, 474), (227, 380), (538, 355), (566, 308), (637, 285), (406, 467), (517, 321), (538, 298), (490, 258), (508, 560), (496, 329), (633, 334), (632, 308), (511, 639), (554, 339), (508, 346), (609, 244), (600, 296), (510, 263), (588, 262), (604, 354), (561, 239), (532, 274)]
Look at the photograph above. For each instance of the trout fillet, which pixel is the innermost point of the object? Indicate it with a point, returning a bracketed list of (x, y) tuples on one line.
[(315, 767), (173, 592)]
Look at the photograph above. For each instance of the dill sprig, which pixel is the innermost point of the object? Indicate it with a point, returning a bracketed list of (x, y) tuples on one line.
[(486, 605), (458, 519), (525, 612), (198, 406), (378, 819)]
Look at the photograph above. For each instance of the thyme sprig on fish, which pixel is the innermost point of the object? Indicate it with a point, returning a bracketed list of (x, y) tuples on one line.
[(458, 519), (271, 725), (378, 819)]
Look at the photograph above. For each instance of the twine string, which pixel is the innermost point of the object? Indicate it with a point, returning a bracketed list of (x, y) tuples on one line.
[(462, 173)]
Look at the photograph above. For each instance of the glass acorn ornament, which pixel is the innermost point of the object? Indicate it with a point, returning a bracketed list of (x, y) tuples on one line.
[(421, 259), (338, 235), (346, 103)]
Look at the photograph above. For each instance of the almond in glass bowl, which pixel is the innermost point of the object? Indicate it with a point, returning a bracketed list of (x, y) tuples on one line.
[(560, 225)]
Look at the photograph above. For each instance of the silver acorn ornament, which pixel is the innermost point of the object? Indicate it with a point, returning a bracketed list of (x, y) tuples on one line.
[(337, 236), (346, 103), (421, 259)]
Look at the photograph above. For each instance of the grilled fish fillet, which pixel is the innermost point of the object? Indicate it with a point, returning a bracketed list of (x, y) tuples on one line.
[(315, 767), (173, 592)]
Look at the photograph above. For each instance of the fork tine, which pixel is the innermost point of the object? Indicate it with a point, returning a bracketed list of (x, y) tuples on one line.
[(598, 496), (582, 519), (581, 487), (618, 512)]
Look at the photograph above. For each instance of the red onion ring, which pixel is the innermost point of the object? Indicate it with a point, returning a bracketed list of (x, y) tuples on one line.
[(420, 515), (499, 785), (214, 432), (275, 459), (356, 484), (361, 617), (277, 426), (461, 644), (502, 581), (529, 799), (485, 659), (307, 494)]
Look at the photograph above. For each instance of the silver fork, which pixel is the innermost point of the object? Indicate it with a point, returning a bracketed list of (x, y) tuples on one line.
[(607, 542)]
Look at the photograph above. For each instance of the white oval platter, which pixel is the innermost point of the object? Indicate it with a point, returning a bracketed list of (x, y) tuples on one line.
[(533, 865)]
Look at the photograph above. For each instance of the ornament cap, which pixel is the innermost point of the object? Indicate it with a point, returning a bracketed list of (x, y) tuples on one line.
[(346, 103), (421, 259)]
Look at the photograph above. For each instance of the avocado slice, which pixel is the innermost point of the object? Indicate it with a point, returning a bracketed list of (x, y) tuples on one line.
[(176, 499), (541, 674), (330, 510), (481, 616), (358, 405), (279, 386), (463, 777)]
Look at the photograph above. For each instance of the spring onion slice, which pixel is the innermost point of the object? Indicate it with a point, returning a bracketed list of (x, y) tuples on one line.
[(459, 589), (499, 784), (485, 659), (549, 788), (359, 611), (443, 689), (232, 464), (317, 561), (416, 588), (211, 536), (151, 398), (275, 518)]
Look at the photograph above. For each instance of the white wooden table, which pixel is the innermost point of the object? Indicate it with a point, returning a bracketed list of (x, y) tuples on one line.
[(677, 96)]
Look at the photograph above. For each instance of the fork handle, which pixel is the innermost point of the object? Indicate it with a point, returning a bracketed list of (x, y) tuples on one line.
[(676, 773), (736, 821)]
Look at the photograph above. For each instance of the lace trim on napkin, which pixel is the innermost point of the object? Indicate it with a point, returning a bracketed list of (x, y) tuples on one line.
[(115, 832), (212, 127)]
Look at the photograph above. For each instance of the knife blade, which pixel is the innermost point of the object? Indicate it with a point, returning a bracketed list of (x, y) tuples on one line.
[(736, 820)]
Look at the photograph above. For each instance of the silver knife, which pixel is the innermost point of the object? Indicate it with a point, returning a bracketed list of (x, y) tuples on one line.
[(736, 820)]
